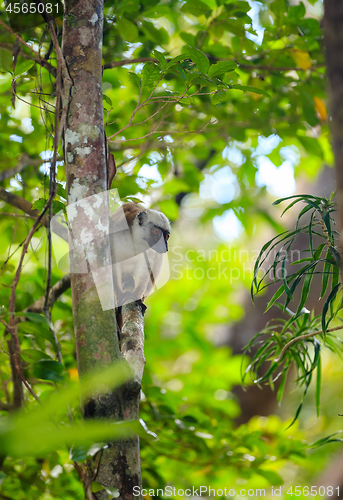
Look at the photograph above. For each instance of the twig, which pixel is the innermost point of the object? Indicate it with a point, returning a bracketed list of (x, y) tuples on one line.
[(25, 206), (130, 124), (303, 337), (36, 57), (33, 105), (21, 203), (8, 214), (132, 339), (167, 132), (278, 68), (55, 292), (124, 62), (86, 481), (5, 497), (11, 307), (16, 50), (5, 406), (24, 161), (52, 185), (67, 80)]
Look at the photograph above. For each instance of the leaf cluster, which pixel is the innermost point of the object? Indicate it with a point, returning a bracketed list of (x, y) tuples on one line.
[(297, 341)]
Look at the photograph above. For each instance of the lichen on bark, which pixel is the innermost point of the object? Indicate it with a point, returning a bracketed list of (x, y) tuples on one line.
[(97, 341)]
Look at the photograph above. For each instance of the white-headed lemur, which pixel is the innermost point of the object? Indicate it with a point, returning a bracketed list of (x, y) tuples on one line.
[(138, 238)]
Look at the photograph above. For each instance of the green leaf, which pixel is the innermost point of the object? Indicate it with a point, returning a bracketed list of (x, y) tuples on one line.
[(79, 453), (133, 198), (305, 290), (307, 198), (188, 419), (311, 145), (276, 295), (336, 255), (135, 79), (282, 385), (327, 222), (23, 67), (296, 12), (310, 233), (221, 67), (327, 439), (107, 100), (318, 386), (95, 486), (199, 58), (249, 88), (61, 191), (195, 7), (151, 74), (34, 355), (176, 60), (284, 277), (127, 29), (160, 57), (47, 369), (326, 275), (4, 79), (39, 204), (328, 301), (35, 317), (271, 476), (218, 97)]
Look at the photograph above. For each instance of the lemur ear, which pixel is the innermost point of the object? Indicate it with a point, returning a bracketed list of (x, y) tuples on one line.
[(141, 217)]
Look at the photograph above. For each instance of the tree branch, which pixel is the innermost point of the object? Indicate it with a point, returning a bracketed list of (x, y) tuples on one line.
[(303, 337), (124, 62), (132, 339), (55, 292), (25, 206), (35, 57), (24, 161), (166, 132), (21, 203)]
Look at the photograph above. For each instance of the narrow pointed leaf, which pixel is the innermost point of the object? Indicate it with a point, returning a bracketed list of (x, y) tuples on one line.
[(328, 301)]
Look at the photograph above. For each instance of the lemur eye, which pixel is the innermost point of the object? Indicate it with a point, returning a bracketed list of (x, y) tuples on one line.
[(167, 236), (156, 231)]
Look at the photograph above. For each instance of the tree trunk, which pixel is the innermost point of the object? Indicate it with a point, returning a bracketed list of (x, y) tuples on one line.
[(333, 37), (97, 343)]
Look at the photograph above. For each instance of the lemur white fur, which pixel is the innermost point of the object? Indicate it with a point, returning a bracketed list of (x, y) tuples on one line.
[(138, 238)]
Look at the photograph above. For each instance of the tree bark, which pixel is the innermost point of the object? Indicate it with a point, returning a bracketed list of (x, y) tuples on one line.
[(333, 38), (97, 342)]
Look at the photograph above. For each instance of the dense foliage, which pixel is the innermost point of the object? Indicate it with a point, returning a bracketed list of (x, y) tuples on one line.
[(209, 106)]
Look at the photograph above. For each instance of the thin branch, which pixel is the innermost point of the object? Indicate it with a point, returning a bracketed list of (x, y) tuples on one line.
[(11, 307), (5, 406), (25, 206), (24, 161), (164, 99), (55, 292), (67, 81), (30, 103), (130, 124), (167, 132), (278, 68), (8, 214), (132, 339), (21, 203), (52, 185), (5, 497), (124, 62), (303, 337), (36, 57)]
